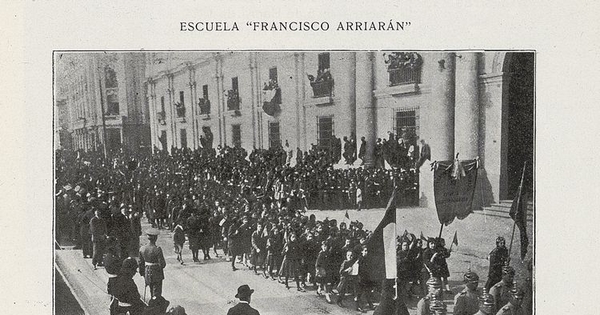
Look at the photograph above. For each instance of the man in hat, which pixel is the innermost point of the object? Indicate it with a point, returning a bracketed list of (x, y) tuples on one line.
[(498, 258), (244, 294), (98, 231), (434, 286), (501, 290), (486, 303), (467, 301), (152, 262), (125, 292), (513, 307)]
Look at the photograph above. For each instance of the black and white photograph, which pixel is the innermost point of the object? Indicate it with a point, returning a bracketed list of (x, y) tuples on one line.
[(294, 181)]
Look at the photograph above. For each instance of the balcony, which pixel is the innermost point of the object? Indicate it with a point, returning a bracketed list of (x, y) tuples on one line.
[(322, 88), (204, 105), (404, 76), (233, 100), (180, 110)]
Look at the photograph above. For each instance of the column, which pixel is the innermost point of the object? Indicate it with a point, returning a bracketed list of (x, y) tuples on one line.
[(171, 92), (220, 97), (466, 133), (365, 117), (440, 111), (437, 120), (192, 106), (351, 77), (254, 91)]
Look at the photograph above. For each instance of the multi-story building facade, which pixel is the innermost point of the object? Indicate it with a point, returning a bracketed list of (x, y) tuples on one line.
[(475, 104), (102, 96)]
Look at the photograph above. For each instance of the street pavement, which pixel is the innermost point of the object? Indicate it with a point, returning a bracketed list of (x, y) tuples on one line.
[(209, 287)]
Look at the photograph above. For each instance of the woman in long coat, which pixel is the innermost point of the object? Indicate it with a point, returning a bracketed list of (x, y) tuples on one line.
[(291, 261), (235, 242)]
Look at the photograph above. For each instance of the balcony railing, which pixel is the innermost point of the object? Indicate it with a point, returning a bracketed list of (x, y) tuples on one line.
[(233, 100), (322, 88), (404, 76), (204, 105), (180, 109)]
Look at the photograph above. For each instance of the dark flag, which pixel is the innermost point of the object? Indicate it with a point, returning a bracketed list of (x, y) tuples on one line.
[(381, 257), (518, 213), (454, 188)]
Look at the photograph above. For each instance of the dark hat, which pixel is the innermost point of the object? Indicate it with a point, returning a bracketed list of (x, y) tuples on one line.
[(244, 291), (177, 310), (152, 232), (129, 264), (508, 270), (470, 276)]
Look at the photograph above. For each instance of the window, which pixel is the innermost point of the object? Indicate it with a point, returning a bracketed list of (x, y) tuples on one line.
[(112, 100), (236, 135), (325, 132), (406, 125), (233, 95), (205, 91), (162, 104), (323, 61), (180, 106), (110, 78), (204, 103), (183, 135), (234, 84), (273, 74), (322, 84), (274, 135)]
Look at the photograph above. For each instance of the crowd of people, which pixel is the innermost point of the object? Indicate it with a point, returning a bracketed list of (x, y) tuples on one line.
[(250, 206)]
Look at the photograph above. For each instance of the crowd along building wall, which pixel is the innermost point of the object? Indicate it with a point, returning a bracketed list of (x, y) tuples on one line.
[(454, 101)]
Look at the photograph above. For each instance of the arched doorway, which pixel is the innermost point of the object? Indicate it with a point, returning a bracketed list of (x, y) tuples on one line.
[(520, 120)]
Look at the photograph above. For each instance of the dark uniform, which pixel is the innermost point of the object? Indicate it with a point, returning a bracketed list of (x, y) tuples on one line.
[(126, 297), (152, 262), (501, 290), (486, 303), (434, 286), (467, 301), (513, 307)]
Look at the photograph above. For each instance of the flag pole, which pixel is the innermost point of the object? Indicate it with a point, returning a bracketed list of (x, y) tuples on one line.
[(518, 201), (441, 228)]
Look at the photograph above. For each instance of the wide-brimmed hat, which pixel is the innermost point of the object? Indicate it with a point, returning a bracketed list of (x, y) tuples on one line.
[(244, 291)]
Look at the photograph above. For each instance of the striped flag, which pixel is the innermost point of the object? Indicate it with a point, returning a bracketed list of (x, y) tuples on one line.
[(381, 257)]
